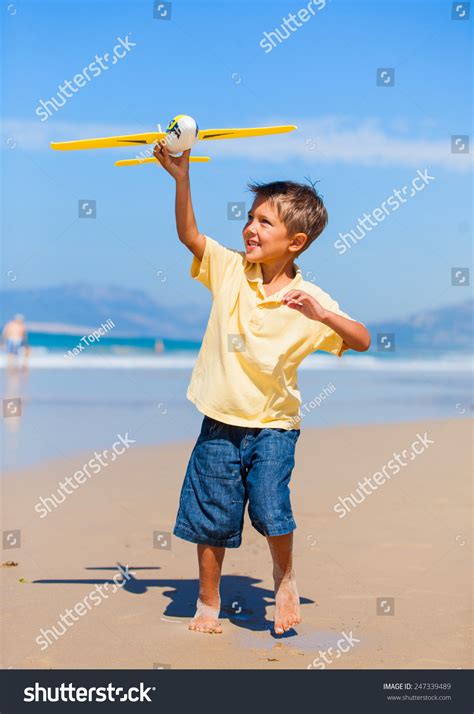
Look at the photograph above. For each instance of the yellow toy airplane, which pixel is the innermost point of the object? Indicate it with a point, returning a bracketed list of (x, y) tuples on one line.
[(181, 134)]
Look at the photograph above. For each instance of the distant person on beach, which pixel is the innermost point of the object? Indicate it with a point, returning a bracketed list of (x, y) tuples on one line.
[(264, 321), (15, 338)]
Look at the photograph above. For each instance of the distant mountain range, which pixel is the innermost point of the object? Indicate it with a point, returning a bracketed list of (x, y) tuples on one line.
[(445, 328), (76, 309)]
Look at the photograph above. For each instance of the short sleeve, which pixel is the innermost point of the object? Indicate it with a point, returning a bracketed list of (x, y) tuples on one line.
[(217, 263), (325, 338)]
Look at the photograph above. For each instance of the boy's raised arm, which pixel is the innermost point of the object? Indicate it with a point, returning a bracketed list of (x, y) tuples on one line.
[(178, 168)]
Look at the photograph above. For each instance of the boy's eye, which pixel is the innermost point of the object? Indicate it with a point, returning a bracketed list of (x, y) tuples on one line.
[(264, 220)]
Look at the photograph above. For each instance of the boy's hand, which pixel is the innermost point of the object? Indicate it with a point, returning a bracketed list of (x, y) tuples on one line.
[(355, 335), (176, 166), (304, 303)]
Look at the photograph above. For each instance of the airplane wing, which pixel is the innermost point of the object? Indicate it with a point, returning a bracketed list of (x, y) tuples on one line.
[(152, 160), (110, 141), (242, 133)]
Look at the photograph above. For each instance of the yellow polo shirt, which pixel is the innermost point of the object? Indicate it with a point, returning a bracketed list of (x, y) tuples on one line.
[(245, 373)]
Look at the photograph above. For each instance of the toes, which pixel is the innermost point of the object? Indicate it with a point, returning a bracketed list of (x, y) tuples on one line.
[(286, 625), (210, 629), (206, 627)]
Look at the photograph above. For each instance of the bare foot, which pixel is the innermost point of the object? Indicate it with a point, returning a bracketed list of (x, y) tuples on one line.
[(287, 605), (206, 618)]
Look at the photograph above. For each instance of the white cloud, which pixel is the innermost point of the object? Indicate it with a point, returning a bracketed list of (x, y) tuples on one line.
[(329, 140), (336, 140)]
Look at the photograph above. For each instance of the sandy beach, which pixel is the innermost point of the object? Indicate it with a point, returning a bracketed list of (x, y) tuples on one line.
[(391, 577)]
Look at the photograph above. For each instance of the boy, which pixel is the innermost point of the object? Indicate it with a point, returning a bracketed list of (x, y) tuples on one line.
[(265, 319)]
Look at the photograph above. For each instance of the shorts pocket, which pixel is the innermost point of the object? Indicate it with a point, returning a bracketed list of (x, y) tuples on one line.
[(216, 458)]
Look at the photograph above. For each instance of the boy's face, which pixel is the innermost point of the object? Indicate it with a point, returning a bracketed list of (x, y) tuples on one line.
[(265, 228)]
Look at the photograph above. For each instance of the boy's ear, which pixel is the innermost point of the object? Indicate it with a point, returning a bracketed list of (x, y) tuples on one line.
[(298, 242)]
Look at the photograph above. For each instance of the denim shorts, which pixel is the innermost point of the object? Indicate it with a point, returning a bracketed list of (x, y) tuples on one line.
[(229, 467)]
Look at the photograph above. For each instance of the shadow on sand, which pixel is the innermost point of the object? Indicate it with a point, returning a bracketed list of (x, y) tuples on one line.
[(243, 601)]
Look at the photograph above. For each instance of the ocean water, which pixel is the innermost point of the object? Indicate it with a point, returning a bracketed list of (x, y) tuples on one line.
[(71, 407)]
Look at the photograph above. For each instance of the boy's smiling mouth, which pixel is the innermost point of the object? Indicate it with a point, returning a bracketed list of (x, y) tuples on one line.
[(251, 244)]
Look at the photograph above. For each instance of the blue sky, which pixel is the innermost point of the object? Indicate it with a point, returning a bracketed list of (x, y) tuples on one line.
[(359, 140)]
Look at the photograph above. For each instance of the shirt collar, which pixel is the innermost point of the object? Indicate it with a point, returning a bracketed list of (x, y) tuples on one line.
[(253, 273)]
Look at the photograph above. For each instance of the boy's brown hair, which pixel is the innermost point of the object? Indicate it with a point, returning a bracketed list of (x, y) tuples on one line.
[(299, 206)]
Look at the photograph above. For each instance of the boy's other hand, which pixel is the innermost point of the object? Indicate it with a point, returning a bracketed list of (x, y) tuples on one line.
[(176, 166), (304, 303)]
